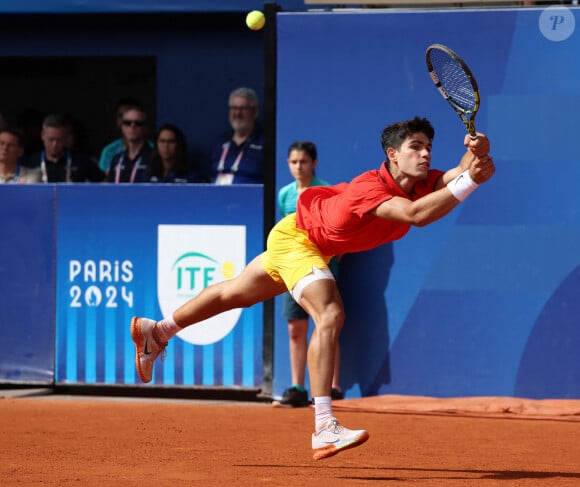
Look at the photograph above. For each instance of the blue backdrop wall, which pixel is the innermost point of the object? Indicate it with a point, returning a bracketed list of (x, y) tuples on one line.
[(484, 301)]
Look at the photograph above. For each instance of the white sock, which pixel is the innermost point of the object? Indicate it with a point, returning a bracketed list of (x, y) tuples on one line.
[(322, 412), (166, 328)]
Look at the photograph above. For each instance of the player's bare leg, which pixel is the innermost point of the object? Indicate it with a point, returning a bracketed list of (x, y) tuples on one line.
[(250, 287), (323, 303)]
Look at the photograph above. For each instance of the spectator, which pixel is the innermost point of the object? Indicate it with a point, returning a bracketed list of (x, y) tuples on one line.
[(11, 150), (130, 166), (59, 164), (168, 162), (238, 157), (118, 145), (302, 161)]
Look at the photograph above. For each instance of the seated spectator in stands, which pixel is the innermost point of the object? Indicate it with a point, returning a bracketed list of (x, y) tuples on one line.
[(59, 164), (238, 156), (130, 166), (168, 162), (11, 150), (118, 145)]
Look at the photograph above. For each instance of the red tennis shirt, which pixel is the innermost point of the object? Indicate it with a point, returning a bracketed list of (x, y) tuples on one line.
[(338, 219)]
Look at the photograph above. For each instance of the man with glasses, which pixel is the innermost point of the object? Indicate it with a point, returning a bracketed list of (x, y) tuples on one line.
[(130, 166), (238, 157), (118, 145)]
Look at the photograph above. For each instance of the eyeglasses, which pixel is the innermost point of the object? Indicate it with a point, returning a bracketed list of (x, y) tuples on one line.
[(137, 123), (240, 108)]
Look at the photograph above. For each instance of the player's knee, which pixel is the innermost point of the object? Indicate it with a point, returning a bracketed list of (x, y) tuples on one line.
[(332, 319)]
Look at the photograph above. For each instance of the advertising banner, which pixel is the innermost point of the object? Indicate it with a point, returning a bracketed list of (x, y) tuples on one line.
[(144, 250)]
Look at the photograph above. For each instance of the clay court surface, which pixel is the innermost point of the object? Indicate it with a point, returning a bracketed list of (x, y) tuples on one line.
[(88, 441)]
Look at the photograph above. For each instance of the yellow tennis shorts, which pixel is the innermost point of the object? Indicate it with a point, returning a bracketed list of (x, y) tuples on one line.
[(290, 255)]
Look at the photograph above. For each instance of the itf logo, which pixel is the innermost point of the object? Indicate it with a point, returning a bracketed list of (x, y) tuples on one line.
[(191, 258)]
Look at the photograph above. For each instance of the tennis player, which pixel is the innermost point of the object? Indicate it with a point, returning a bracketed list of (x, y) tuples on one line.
[(375, 208)]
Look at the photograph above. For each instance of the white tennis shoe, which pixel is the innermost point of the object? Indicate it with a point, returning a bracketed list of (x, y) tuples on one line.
[(334, 438), (147, 348)]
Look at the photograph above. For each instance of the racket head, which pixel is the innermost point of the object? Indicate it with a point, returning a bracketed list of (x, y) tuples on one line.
[(455, 82)]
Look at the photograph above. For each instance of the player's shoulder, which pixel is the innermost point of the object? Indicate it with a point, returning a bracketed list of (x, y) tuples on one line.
[(372, 175)]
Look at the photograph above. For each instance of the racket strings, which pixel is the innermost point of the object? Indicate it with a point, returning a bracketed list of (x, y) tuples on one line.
[(454, 80)]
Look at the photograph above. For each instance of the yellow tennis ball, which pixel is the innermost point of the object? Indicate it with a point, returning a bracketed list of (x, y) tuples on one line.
[(255, 20)]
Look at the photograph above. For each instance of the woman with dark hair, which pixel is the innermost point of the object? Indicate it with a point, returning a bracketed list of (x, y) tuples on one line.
[(168, 162)]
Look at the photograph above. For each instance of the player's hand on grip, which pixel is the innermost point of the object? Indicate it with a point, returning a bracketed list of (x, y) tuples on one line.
[(481, 169), (479, 146)]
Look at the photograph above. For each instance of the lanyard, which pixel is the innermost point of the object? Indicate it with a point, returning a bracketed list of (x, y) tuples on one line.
[(120, 165), (235, 165), (43, 167)]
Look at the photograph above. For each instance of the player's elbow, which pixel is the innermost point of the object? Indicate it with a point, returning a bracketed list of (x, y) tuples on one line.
[(421, 222), (418, 217)]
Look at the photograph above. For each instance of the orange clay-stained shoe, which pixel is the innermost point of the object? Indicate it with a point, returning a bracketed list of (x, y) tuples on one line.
[(147, 348), (334, 438)]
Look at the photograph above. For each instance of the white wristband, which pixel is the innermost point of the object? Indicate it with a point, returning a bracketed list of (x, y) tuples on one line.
[(462, 186)]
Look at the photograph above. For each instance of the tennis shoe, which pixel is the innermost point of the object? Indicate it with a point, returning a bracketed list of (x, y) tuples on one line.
[(295, 398), (334, 438), (336, 394), (147, 348)]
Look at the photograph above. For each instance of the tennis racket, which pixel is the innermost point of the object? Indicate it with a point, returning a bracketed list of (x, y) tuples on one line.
[(455, 82)]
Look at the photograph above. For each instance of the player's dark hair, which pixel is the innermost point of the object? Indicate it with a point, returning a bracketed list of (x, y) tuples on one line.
[(395, 134), (306, 146)]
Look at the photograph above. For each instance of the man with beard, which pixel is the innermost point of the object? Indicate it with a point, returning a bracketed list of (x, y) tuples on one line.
[(238, 157)]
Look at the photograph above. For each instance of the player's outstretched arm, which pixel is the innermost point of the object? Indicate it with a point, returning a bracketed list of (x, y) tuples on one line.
[(436, 205)]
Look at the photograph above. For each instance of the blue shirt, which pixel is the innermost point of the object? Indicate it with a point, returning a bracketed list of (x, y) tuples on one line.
[(245, 162), (111, 150), (125, 170)]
